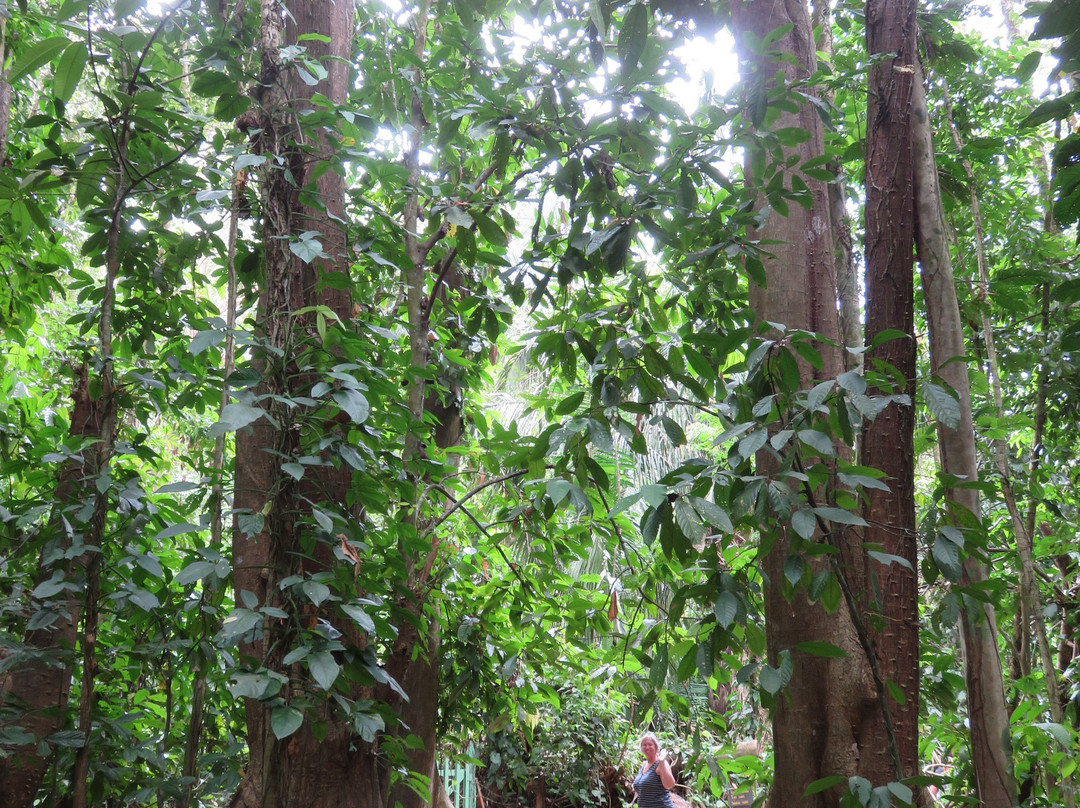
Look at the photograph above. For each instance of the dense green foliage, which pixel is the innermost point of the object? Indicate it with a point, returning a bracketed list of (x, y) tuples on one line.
[(593, 536)]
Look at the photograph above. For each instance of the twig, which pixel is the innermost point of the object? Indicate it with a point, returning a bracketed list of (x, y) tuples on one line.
[(456, 504)]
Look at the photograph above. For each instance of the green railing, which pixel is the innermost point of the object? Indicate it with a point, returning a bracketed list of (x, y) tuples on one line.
[(459, 779)]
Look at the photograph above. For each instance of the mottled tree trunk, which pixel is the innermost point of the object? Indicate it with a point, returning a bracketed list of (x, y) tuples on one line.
[(818, 714), (987, 711), (889, 592)]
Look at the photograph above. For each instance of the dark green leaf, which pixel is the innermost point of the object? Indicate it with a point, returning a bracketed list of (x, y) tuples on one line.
[(285, 721), (69, 70), (632, 37), (324, 669), (36, 55), (819, 648)]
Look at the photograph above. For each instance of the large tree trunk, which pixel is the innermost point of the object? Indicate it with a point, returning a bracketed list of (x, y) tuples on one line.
[(299, 770), (890, 741), (987, 711), (817, 717)]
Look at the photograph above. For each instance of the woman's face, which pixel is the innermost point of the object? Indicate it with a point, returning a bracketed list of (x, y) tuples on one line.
[(648, 747)]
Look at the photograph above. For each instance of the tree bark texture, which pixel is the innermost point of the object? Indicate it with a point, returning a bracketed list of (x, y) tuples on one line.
[(816, 720), (988, 713), (40, 686), (78, 520), (889, 592), (847, 276), (5, 93), (299, 770)]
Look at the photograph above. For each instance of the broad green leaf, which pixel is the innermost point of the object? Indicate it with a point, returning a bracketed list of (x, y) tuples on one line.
[(178, 488), (947, 557), (659, 668), (1057, 731), (654, 495), (195, 571), (237, 624), (852, 381), (285, 721), (895, 692), (824, 784), (307, 249), (804, 523), (353, 403), (54, 586), (623, 503), (179, 529), (860, 787), (687, 520), (901, 792), (247, 160), (69, 70), (458, 216), (819, 648), (69, 739), (316, 591), (236, 416), (211, 84), (359, 616), (749, 445), (818, 441), (147, 601), (888, 558), (793, 569), (323, 669), (557, 490), (942, 404), (632, 37), (37, 55), (488, 228), (713, 514), (769, 678), (569, 404), (840, 516), (726, 608), (205, 339)]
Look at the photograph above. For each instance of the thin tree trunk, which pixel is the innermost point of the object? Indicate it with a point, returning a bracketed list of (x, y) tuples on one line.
[(40, 686), (890, 739), (189, 768), (1028, 587), (987, 711), (847, 276), (5, 93), (817, 717)]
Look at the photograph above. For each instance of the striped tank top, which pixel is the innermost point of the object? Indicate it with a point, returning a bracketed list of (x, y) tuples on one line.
[(650, 790)]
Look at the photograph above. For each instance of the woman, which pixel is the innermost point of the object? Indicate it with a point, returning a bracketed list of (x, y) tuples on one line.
[(654, 782)]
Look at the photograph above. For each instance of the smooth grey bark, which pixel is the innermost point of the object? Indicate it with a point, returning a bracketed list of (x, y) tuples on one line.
[(987, 710)]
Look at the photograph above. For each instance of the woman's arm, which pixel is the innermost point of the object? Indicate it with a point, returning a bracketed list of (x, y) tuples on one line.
[(664, 770)]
